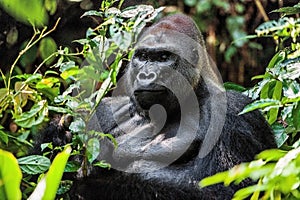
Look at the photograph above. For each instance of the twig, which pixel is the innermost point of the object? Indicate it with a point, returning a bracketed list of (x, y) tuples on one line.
[(261, 10), (30, 44)]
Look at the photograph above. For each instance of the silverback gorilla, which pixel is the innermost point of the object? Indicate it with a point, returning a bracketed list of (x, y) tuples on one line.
[(173, 122)]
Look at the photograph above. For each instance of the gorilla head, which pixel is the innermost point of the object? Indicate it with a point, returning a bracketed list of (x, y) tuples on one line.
[(168, 61)]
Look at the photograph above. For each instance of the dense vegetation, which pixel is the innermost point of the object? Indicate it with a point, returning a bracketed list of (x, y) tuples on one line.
[(65, 79)]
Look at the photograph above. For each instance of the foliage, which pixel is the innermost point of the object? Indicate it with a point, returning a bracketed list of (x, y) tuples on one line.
[(235, 24), (276, 171), (27, 100), (21, 91)]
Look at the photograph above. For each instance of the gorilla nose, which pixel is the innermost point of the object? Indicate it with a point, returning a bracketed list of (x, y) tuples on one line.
[(146, 78)]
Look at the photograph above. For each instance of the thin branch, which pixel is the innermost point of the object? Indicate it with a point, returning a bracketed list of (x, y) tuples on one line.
[(30, 44), (261, 10)]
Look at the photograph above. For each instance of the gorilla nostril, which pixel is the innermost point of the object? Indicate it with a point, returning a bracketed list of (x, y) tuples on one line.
[(146, 77)]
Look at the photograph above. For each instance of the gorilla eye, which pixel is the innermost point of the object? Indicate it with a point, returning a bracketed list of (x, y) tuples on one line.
[(164, 56), (142, 56)]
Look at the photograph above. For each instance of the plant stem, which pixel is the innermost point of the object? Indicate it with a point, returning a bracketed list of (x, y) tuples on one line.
[(261, 10), (30, 44)]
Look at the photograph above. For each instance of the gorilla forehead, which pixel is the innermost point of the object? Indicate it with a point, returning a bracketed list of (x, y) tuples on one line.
[(170, 40)]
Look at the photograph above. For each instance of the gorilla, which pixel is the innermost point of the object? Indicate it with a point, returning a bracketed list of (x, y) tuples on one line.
[(173, 122)]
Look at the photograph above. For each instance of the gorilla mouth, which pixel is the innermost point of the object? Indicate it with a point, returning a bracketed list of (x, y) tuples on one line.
[(146, 97), (150, 91)]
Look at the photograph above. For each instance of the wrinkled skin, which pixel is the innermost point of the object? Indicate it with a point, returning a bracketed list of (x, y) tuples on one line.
[(174, 123)]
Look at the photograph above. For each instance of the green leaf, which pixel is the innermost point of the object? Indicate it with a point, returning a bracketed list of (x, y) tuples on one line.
[(29, 12), (34, 116), (122, 39), (102, 164), (3, 137), (50, 87), (47, 47), (246, 192), (271, 155), (280, 134), (46, 145), (93, 13), (48, 185), (288, 10), (59, 109), (64, 187), (29, 56), (77, 126), (51, 6), (34, 164), (277, 91), (260, 104), (264, 94), (277, 58), (12, 36), (203, 6), (273, 113), (222, 4), (296, 116), (93, 149), (229, 53), (190, 2), (69, 70), (72, 166), (234, 86), (211, 180), (10, 176)]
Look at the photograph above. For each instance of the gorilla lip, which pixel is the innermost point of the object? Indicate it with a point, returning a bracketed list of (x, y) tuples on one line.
[(141, 91)]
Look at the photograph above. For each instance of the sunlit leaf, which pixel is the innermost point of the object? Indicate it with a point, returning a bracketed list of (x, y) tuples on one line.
[(247, 191), (29, 12), (260, 104), (271, 155), (51, 6), (50, 87), (217, 178), (10, 176)]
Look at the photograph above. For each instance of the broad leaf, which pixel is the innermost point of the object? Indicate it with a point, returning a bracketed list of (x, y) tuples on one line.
[(260, 104), (93, 149), (10, 176), (34, 164)]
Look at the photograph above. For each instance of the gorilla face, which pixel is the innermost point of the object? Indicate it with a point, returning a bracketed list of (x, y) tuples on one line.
[(149, 74)]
